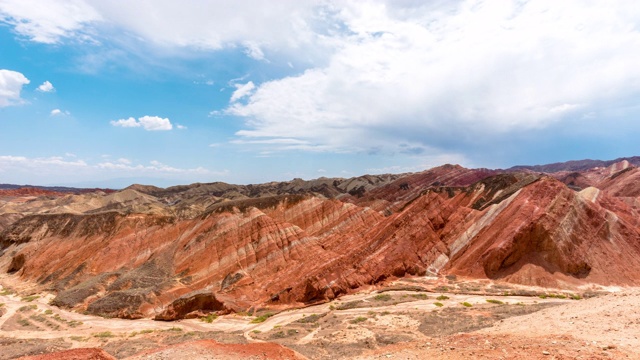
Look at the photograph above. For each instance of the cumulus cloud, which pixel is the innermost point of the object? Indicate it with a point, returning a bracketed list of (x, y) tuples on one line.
[(49, 21), (203, 25), (421, 74), (46, 87), (11, 83), (149, 123)]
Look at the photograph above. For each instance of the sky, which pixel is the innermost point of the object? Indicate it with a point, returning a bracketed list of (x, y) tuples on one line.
[(166, 92)]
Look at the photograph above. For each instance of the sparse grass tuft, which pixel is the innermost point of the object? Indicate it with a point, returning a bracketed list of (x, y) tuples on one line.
[(104, 334), (466, 304), (442, 297), (261, 318), (382, 297), (79, 338), (6, 292), (493, 301), (24, 322), (209, 318), (175, 328), (146, 331), (438, 304), (30, 298), (48, 312), (256, 331), (419, 296), (359, 319), (576, 297), (28, 307)]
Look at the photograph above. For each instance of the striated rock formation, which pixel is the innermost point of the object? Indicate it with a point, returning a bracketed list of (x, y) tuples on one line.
[(188, 250)]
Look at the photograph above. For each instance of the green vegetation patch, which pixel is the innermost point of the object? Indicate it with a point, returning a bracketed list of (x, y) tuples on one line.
[(466, 304), (261, 318), (30, 298), (442, 297), (438, 304), (493, 301), (359, 319), (209, 318), (382, 297), (104, 334)]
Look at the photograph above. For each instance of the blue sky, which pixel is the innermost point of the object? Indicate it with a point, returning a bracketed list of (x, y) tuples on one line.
[(108, 93)]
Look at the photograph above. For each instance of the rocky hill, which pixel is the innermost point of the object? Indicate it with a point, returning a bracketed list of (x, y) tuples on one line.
[(185, 250)]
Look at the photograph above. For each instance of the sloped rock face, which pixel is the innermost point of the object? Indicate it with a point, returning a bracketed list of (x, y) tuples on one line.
[(287, 249)]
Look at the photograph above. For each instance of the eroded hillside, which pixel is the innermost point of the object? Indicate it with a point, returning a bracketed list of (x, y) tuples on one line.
[(189, 250)]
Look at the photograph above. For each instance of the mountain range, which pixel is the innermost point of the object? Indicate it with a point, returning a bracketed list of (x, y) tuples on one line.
[(170, 253)]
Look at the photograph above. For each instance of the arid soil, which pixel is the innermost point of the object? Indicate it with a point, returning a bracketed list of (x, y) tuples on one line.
[(414, 318), (447, 263)]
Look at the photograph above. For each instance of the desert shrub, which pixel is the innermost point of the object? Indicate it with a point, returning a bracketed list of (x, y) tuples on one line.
[(209, 318), (48, 312), (493, 301), (382, 297), (104, 334), (419, 296), (261, 318), (175, 328), (442, 297), (438, 304), (466, 304), (30, 298), (359, 319), (576, 297)]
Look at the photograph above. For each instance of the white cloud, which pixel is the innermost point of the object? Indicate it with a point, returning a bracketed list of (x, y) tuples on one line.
[(46, 87), (57, 112), (48, 21), (253, 51), (473, 69), (180, 127), (56, 169), (152, 123), (242, 90), (130, 122), (154, 167), (11, 83), (12, 162), (149, 123)]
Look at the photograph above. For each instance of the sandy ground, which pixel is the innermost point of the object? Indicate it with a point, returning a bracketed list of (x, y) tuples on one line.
[(398, 324)]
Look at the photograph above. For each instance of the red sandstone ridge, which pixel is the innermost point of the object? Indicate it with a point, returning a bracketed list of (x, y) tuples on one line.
[(184, 251), (28, 192)]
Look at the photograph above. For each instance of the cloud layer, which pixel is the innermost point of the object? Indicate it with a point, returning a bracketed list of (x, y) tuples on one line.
[(409, 77)]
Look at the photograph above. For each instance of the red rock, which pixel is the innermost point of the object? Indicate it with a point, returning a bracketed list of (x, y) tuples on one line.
[(286, 250), (73, 354)]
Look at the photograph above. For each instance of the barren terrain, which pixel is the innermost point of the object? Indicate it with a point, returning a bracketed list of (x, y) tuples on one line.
[(415, 318), (448, 263)]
